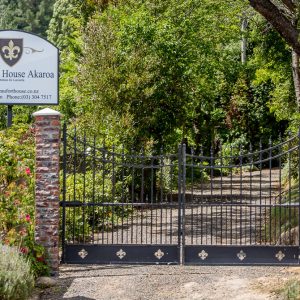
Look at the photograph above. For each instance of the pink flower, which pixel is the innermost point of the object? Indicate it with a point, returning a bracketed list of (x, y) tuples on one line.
[(24, 250), (27, 171), (27, 218)]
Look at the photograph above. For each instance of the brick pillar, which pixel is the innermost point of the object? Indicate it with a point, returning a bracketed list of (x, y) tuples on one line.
[(47, 189)]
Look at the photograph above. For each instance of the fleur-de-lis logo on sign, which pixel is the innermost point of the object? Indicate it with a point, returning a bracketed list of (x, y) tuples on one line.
[(11, 50)]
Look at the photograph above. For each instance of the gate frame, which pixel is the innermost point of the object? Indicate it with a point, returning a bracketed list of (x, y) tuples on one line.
[(186, 254)]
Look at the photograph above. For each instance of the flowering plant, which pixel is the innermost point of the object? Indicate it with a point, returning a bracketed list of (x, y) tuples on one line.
[(17, 195)]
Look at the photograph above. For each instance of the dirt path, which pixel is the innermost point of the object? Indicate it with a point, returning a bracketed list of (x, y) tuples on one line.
[(168, 282), (203, 223), (229, 210)]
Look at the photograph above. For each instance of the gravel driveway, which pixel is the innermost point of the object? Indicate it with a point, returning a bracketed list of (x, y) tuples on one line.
[(133, 282), (168, 282)]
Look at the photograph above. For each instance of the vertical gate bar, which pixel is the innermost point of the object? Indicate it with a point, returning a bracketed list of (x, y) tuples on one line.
[(260, 194), (180, 229), (94, 186), (285, 205), (166, 202), (235, 184), (231, 200), (241, 194), (192, 197), (74, 181), (161, 195), (294, 204), (151, 217), (171, 201), (221, 187), (251, 202), (132, 193), (290, 185), (123, 196), (104, 209), (156, 199), (197, 214), (126, 160), (298, 192), (64, 166), (113, 196), (211, 192), (275, 212), (142, 193), (270, 175), (183, 196), (84, 183), (146, 218), (136, 196), (280, 199), (214, 206), (201, 203)]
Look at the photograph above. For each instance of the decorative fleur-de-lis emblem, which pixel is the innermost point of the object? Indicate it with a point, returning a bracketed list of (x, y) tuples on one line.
[(241, 255), (159, 254), (11, 51), (280, 255), (83, 253), (121, 254), (203, 255)]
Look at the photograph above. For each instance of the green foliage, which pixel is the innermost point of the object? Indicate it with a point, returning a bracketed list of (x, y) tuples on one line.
[(152, 70), (155, 74), (65, 31), (16, 279), (248, 116), (17, 195), (29, 15), (272, 65), (291, 290)]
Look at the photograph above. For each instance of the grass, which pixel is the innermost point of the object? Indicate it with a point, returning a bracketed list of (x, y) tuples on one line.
[(291, 290)]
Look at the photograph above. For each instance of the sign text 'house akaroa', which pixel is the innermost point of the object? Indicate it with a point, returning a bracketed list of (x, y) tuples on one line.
[(28, 69)]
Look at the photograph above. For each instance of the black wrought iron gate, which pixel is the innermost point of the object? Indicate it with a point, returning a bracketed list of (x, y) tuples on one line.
[(187, 207)]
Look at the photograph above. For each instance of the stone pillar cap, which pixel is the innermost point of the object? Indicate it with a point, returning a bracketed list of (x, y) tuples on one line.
[(47, 112)]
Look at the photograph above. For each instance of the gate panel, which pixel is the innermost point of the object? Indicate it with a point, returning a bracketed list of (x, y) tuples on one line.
[(119, 207), (243, 208), (241, 255), (237, 207)]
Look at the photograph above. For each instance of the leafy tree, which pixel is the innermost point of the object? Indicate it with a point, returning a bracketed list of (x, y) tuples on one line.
[(271, 63), (28, 15), (159, 73), (157, 68), (284, 17)]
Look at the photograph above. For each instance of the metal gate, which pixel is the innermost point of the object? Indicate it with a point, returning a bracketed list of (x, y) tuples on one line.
[(127, 207)]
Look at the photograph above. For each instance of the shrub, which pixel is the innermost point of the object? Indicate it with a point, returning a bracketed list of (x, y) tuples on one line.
[(291, 290), (16, 278), (17, 195)]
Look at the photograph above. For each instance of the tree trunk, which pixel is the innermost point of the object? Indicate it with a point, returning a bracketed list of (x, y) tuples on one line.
[(296, 77), (244, 41), (285, 27)]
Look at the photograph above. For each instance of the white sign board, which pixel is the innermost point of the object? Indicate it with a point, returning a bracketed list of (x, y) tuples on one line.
[(29, 72)]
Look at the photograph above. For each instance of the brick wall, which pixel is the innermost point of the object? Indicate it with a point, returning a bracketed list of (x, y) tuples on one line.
[(47, 189)]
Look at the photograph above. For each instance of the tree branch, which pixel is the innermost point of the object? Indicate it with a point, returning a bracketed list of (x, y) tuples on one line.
[(289, 4), (277, 19)]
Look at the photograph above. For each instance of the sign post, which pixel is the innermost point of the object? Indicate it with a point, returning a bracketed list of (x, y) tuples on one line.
[(29, 70), (9, 115)]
